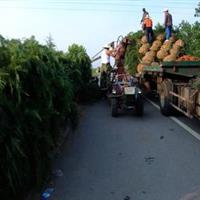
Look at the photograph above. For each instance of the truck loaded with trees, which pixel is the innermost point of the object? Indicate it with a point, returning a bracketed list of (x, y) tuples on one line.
[(171, 68)]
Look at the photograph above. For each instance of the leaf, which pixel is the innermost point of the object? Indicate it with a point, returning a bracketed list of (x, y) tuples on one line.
[(34, 114)]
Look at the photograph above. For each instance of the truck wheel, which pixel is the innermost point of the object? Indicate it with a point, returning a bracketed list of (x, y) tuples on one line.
[(139, 107), (165, 107), (165, 98), (114, 107)]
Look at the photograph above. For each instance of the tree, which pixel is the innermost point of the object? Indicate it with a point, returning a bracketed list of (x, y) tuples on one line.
[(132, 56), (49, 42), (36, 99), (197, 11), (190, 34), (159, 29), (78, 67)]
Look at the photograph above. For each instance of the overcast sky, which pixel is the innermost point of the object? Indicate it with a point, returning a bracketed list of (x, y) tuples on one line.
[(91, 23)]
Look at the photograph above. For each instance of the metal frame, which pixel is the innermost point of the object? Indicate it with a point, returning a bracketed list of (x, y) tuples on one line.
[(189, 103)]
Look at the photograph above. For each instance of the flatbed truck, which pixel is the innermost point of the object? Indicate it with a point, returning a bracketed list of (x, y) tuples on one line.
[(173, 82)]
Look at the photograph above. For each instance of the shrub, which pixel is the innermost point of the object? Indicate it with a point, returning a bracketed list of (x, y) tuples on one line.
[(38, 86)]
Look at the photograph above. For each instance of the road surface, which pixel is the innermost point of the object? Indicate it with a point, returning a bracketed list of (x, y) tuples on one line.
[(128, 158)]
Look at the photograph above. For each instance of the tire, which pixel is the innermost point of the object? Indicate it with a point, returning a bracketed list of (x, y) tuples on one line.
[(165, 98), (139, 107), (114, 107), (165, 107)]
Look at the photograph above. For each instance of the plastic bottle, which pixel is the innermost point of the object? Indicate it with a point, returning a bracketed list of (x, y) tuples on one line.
[(47, 193)]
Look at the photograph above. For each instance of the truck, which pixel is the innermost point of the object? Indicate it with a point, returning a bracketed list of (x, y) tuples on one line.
[(121, 89), (125, 95), (174, 83)]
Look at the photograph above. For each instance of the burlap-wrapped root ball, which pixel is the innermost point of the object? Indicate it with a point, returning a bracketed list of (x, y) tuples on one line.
[(167, 45), (162, 54), (174, 51), (175, 47), (156, 45), (149, 57), (144, 40), (160, 37), (188, 58), (140, 67), (144, 49), (151, 54), (170, 58), (172, 38), (179, 43)]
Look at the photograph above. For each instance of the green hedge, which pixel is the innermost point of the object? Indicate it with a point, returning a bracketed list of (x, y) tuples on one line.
[(38, 88)]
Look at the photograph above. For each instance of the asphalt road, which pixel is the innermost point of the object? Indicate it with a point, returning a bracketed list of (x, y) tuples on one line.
[(128, 158)]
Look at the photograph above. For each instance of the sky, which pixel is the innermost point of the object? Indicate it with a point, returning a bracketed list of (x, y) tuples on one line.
[(91, 23)]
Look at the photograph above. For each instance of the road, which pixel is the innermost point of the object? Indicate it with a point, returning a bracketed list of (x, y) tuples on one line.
[(128, 158)]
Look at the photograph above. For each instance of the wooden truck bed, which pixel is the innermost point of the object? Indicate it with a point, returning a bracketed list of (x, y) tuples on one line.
[(179, 69), (174, 78)]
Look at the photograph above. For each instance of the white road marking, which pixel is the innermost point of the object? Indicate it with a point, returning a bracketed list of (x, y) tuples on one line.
[(151, 102), (177, 121)]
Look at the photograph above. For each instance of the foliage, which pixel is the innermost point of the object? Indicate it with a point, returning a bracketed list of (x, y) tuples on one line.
[(95, 71), (132, 56), (37, 95), (158, 29), (197, 10), (190, 34), (78, 68)]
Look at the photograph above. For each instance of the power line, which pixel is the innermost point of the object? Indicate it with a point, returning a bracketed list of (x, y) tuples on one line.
[(95, 5), (91, 5), (105, 2), (121, 2), (63, 8), (85, 9), (112, 4)]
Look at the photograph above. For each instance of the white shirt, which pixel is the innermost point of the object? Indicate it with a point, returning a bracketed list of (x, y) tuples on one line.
[(104, 57)]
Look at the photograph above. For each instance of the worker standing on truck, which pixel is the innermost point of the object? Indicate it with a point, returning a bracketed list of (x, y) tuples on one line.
[(105, 58), (147, 27), (119, 56), (105, 66), (168, 24), (145, 13)]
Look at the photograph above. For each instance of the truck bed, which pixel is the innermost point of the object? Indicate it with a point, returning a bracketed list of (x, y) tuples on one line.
[(179, 69)]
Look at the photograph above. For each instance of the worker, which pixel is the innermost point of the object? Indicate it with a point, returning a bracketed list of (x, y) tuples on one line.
[(168, 24), (147, 26), (145, 13), (105, 65), (119, 56), (105, 58)]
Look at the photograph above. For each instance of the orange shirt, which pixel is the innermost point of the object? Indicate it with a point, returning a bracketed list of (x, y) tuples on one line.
[(148, 23)]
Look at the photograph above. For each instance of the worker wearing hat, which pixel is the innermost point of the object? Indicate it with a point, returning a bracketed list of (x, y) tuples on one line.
[(168, 24), (147, 26), (105, 58), (145, 13), (105, 65)]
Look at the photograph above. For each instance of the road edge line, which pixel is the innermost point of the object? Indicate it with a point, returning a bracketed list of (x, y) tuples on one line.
[(177, 121)]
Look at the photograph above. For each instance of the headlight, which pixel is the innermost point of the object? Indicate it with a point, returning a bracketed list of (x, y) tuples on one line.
[(114, 91)]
